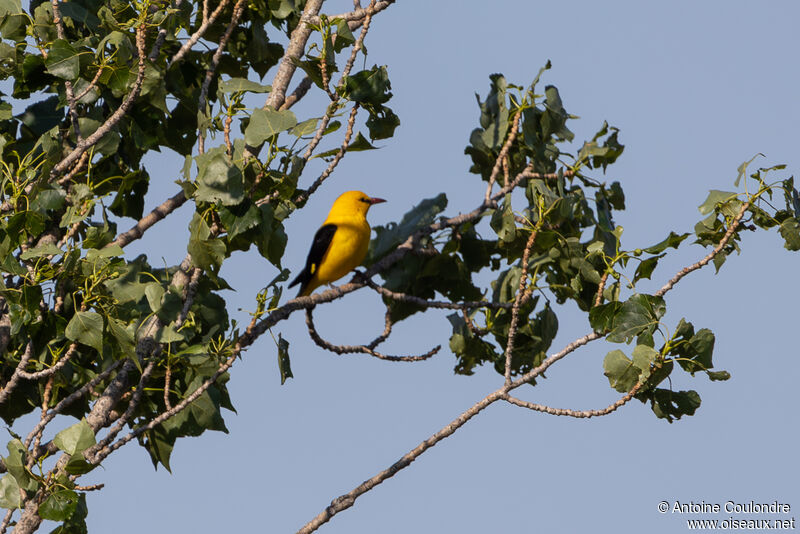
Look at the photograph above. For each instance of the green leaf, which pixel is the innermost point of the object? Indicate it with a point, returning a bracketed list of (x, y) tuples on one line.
[(86, 328), (360, 144), (9, 492), (281, 9), (639, 314), (368, 87), (669, 405), (718, 375), (503, 223), (218, 179), (63, 61), (388, 237), (15, 464), (59, 506), (623, 373), (790, 232), (243, 85), (112, 251), (75, 439), (646, 267), (693, 350), (715, 197), (673, 240), (206, 253), (239, 219), (284, 365), (306, 127), (743, 169), (382, 123), (124, 336), (264, 123), (344, 37), (42, 250), (154, 293)]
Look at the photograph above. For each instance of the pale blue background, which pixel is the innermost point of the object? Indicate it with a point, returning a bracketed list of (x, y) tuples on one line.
[(696, 88)]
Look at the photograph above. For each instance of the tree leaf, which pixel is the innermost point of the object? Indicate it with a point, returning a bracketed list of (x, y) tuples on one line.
[(284, 365), (368, 87), (669, 405), (243, 85), (715, 197), (264, 123), (9, 492), (623, 373), (87, 328), (790, 232), (63, 60), (388, 237), (638, 314), (218, 179), (76, 438), (59, 506)]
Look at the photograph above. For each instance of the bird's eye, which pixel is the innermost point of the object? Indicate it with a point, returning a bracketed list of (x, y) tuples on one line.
[(364, 199)]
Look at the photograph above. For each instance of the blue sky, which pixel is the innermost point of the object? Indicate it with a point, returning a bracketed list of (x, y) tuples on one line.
[(695, 88)]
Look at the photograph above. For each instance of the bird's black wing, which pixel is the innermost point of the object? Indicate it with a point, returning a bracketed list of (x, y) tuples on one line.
[(322, 240)]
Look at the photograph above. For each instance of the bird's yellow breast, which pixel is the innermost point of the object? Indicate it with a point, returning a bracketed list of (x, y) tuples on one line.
[(346, 251)]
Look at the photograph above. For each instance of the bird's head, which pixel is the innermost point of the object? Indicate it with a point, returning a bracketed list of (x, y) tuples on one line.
[(355, 202)]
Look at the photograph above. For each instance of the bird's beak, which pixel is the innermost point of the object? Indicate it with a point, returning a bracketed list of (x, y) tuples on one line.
[(374, 200)]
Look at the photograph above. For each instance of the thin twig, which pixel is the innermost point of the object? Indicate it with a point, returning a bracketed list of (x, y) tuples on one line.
[(73, 348), (363, 349), (348, 135), (66, 401), (521, 292), (5, 392), (37, 440), (162, 34), (6, 520), (724, 241), (238, 9), (93, 487), (598, 299), (158, 213), (580, 414), (115, 117), (298, 93), (132, 405), (297, 44), (347, 500), (358, 13), (387, 330), (501, 158), (442, 305), (197, 35), (167, 380)]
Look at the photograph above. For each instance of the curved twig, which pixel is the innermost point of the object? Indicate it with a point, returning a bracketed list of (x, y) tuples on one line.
[(73, 348), (17, 374), (724, 241), (580, 414), (363, 349)]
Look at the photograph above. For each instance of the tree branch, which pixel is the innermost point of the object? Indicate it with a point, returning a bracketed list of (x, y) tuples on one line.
[(207, 22), (115, 117), (521, 293), (158, 213), (14, 380), (724, 241)]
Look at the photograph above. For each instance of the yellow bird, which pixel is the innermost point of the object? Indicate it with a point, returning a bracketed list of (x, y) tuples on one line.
[(340, 244)]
